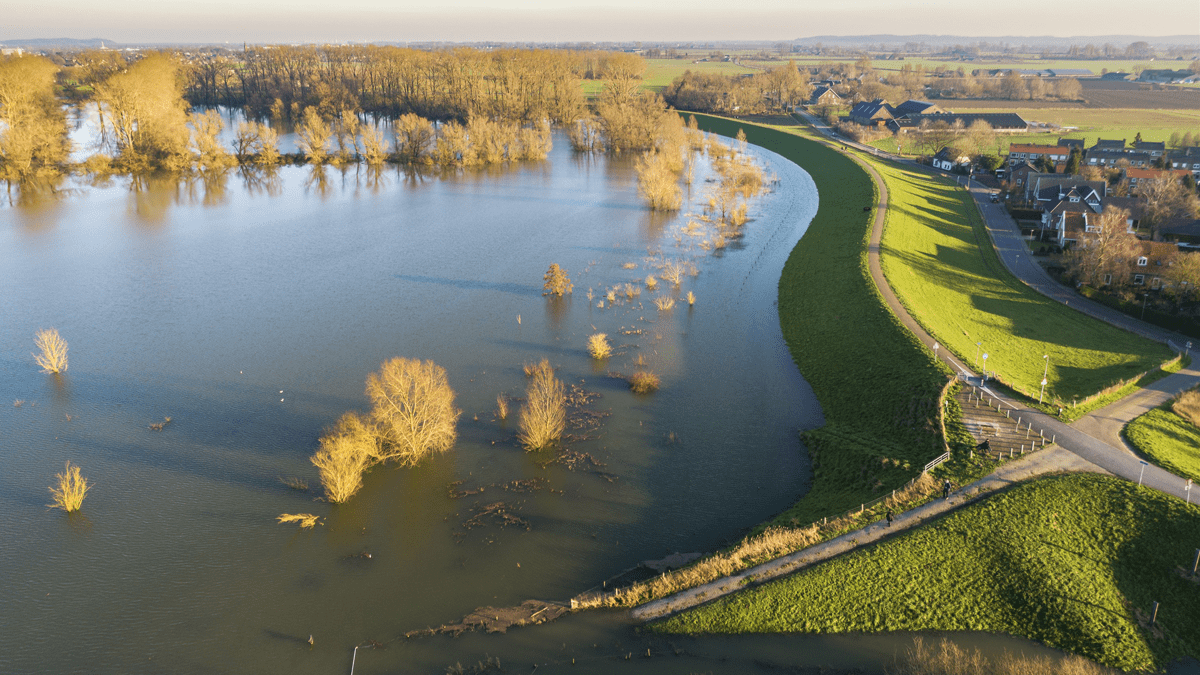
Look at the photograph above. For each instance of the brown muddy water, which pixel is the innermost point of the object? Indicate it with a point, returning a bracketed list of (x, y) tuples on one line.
[(250, 309)]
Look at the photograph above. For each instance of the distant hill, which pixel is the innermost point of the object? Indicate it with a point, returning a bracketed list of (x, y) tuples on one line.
[(59, 43), (1015, 40)]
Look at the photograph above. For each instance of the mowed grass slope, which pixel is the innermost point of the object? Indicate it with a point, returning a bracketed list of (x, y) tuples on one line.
[(937, 257), (1072, 562), (1169, 441), (877, 384)]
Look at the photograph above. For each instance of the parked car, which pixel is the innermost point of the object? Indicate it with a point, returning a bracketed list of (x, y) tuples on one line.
[(995, 197)]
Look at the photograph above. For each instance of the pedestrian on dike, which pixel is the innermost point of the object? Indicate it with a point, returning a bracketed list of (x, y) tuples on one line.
[(946, 489), (889, 517)]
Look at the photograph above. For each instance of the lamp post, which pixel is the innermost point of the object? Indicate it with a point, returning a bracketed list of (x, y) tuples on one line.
[(985, 374), (1188, 348), (1187, 491), (1145, 299), (1045, 372), (1142, 472)]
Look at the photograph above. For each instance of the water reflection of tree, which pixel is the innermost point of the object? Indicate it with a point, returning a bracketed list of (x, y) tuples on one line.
[(557, 308), (372, 178), (206, 187), (151, 195), (259, 180), (317, 181)]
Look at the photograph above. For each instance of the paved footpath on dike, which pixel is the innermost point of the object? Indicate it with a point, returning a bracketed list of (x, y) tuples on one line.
[(1093, 443)]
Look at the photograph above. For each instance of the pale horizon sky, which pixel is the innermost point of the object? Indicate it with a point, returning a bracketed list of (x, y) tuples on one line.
[(284, 21)]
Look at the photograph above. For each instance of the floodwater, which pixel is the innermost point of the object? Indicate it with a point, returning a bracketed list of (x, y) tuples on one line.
[(250, 309)]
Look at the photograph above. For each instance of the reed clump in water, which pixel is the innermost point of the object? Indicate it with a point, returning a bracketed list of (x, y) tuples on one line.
[(501, 407), (52, 351), (643, 382), (72, 487), (544, 415), (947, 658), (664, 303)]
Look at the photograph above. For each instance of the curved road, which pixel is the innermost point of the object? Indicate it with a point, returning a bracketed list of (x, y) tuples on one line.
[(1096, 437)]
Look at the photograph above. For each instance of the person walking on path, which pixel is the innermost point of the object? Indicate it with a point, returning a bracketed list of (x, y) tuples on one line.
[(946, 489), (889, 517)]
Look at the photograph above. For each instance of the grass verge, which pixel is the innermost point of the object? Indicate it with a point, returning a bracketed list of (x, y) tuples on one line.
[(1168, 440), (1075, 562), (937, 257)]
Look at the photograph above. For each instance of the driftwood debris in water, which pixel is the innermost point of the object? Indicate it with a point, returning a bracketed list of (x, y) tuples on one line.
[(496, 512), (498, 619)]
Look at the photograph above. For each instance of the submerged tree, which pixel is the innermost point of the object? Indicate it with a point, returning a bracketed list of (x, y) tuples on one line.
[(413, 409), (544, 415), (145, 116), (556, 281), (33, 131)]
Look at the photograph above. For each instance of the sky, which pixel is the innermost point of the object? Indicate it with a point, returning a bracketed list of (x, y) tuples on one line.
[(285, 21)]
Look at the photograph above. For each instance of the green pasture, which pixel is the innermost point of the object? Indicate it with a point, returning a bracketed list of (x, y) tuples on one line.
[(1074, 562), (1169, 441)]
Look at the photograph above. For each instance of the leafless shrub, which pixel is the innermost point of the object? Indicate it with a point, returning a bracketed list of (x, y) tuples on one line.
[(691, 298), (651, 282), (598, 346), (664, 303), (53, 351), (673, 273), (544, 415), (501, 407), (344, 455)]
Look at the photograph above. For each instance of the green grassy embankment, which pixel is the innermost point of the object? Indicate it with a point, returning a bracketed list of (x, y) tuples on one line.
[(877, 384), (938, 259), (1074, 562), (1168, 440)]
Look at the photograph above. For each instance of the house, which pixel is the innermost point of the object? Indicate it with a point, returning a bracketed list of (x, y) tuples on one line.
[(1102, 144), (1111, 158), (1027, 152), (871, 113), (1058, 195), (1071, 143), (1132, 205), (1185, 158), (1167, 76), (1151, 262), (824, 96), (1019, 175), (912, 107), (1156, 149), (1071, 227), (947, 159), (1000, 122), (1136, 176)]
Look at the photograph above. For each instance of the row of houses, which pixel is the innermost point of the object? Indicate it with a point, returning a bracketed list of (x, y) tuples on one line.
[(1108, 154), (913, 115)]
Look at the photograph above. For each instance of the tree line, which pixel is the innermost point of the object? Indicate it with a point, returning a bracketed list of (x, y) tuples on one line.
[(448, 108)]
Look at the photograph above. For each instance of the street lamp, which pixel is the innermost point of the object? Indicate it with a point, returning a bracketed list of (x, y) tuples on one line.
[(1188, 348), (1142, 472), (1045, 372), (1187, 491), (1145, 299), (985, 366)]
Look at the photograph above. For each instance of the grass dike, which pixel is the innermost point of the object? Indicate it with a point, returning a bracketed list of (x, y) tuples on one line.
[(1075, 562), (878, 386), (1169, 437), (938, 259)]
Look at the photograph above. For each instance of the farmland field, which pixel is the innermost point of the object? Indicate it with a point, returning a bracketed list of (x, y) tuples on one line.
[(661, 72)]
